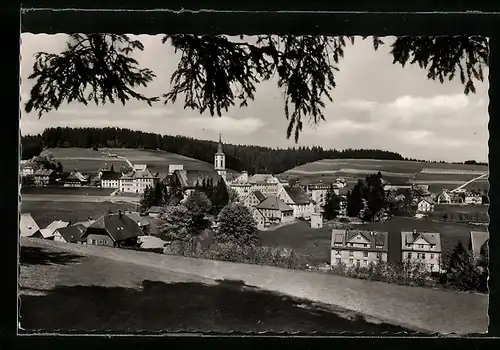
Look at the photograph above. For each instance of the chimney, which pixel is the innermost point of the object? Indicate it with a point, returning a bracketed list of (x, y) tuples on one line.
[(120, 213)]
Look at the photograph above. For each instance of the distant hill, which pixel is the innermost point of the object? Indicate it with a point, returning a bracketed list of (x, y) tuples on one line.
[(89, 161), (438, 175)]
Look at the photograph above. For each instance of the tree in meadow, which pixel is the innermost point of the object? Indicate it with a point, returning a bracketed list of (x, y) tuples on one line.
[(332, 204), (236, 225)]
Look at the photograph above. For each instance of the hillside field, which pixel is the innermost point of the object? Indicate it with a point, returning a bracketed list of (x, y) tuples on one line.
[(89, 161), (437, 175)]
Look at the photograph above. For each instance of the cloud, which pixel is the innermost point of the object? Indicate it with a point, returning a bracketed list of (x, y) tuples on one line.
[(84, 111), (410, 106), (151, 112), (360, 105), (225, 124)]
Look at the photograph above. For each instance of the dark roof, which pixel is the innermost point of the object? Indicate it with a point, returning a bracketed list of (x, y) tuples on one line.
[(73, 233), (190, 178), (428, 200), (375, 238), (260, 196), (274, 203), (297, 194), (110, 175), (44, 172), (119, 227)]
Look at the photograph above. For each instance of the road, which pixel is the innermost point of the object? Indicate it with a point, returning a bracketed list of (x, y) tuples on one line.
[(76, 198), (411, 307)]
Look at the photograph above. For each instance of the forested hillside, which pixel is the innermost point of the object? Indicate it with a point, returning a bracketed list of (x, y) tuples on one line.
[(238, 157)]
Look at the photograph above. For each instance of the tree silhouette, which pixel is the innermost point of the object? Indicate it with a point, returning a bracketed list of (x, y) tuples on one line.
[(217, 72)]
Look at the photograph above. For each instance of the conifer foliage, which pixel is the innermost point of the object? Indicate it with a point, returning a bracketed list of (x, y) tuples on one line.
[(218, 72)]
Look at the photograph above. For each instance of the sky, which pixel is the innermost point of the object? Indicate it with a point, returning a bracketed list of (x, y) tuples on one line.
[(376, 105)]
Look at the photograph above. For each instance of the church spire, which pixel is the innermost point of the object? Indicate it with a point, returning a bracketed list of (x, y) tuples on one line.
[(219, 148)]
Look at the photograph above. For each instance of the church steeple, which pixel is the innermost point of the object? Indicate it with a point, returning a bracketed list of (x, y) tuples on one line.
[(220, 160), (219, 148)]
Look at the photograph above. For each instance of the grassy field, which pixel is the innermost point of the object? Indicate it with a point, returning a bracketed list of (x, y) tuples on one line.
[(46, 212), (108, 296), (90, 161), (314, 244), (439, 176), (89, 191)]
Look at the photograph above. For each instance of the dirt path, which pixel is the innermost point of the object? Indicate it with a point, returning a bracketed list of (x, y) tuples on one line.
[(412, 307)]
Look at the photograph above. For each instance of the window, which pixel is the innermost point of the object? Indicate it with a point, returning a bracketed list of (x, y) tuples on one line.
[(365, 245), (432, 267), (423, 256), (351, 253), (337, 252), (358, 262), (365, 254), (409, 255), (432, 256), (379, 255), (93, 241), (100, 241), (422, 246), (351, 261), (365, 263)]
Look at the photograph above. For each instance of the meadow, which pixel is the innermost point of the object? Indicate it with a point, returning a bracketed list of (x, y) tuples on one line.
[(314, 244), (90, 161), (438, 175), (70, 191), (46, 212)]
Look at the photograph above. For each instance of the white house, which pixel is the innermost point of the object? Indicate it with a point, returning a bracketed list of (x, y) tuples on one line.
[(138, 179), (268, 184), (444, 197), (174, 167), (28, 169), (253, 199), (425, 205), (473, 198), (317, 192), (316, 220), (275, 210), (259, 218), (296, 197), (111, 179), (423, 247), (358, 248)]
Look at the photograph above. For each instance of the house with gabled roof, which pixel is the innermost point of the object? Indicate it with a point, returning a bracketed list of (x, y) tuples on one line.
[(28, 226), (298, 200), (268, 184), (426, 205), (478, 244), (85, 223), (140, 220), (275, 210), (254, 199), (44, 177), (473, 198), (259, 218), (76, 179), (70, 234), (113, 230), (358, 248), (110, 179), (422, 247), (137, 180), (48, 232), (444, 197)]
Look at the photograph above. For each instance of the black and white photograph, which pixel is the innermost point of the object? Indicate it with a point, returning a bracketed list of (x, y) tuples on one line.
[(254, 184)]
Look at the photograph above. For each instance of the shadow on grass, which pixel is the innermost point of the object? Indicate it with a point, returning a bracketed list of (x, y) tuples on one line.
[(40, 256), (160, 307)]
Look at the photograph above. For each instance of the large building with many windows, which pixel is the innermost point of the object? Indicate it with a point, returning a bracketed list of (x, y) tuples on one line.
[(358, 248), (422, 247)]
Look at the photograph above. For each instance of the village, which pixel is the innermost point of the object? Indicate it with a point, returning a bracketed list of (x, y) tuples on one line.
[(273, 201)]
